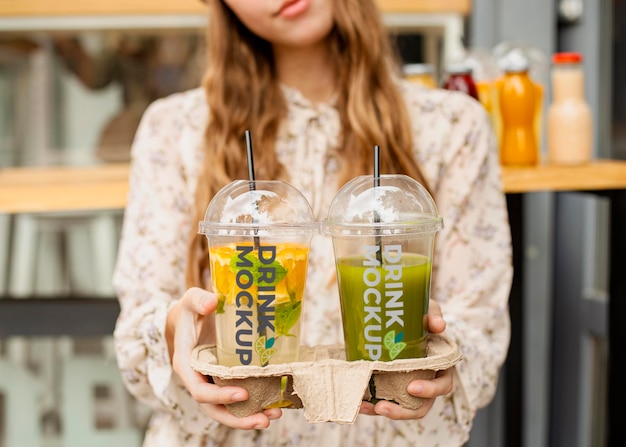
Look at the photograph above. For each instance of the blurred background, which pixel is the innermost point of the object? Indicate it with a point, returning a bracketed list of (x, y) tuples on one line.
[(75, 78)]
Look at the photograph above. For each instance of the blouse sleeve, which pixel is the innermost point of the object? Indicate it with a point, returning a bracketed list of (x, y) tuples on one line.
[(150, 271), (473, 256)]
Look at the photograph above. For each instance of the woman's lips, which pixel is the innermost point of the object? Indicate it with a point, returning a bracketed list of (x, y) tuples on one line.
[(293, 8)]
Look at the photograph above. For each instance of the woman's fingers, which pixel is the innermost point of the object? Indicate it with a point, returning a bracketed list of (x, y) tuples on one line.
[(192, 321), (439, 386), (429, 390), (273, 413), (435, 322), (396, 412), (367, 408), (206, 393), (199, 301), (213, 399), (256, 421)]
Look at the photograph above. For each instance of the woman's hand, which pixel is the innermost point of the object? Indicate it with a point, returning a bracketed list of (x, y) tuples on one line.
[(189, 321), (426, 389)]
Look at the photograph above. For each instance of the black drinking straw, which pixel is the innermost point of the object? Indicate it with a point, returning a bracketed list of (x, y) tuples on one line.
[(379, 255), (257, 241), (252, 180), (376, 166), (250, 161)]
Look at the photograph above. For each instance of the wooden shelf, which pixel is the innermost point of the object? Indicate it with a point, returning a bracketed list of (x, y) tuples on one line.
[(89, 7), (594, 176), (105, 187), (462, 7), (63, 189), (47, 175), (23, 8)]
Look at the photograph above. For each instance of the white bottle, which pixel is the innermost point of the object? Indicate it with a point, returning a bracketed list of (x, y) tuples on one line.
[(570, 124)]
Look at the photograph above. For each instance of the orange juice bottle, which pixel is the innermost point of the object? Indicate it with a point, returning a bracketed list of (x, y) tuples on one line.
[(485, 94), (423, 74), (519, 101)]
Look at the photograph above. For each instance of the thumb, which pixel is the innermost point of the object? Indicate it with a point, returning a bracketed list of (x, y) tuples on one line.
[(436, 323), (199, 301)]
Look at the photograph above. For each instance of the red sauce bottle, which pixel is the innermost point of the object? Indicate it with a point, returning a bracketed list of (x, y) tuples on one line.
[(460, 79)]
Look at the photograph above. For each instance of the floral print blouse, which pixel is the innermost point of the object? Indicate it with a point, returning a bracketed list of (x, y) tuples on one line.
[(455, 147)]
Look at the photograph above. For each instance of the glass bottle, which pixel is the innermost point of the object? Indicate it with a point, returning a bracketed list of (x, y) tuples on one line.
[(518, 102), (507, 53), (570, 127), (460, 79), (485, 71), (423, 74)]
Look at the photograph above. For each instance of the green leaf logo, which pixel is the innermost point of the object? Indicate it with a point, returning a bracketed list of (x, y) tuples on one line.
[(394, 343), (266, 353), (397, 349), (259, 345), (389, 340)]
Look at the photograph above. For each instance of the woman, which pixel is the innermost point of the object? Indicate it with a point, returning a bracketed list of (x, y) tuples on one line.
[(315, 82)]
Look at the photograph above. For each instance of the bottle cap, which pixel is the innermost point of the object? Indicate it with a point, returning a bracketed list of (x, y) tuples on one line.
[(418, 69), (515, 62), (458, 68), (567, 58)]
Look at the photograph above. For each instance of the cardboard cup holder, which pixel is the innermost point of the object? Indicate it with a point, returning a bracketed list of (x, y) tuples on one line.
[(326, 386)]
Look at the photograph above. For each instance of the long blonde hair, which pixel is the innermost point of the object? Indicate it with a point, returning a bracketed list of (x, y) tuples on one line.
[(370, 106)]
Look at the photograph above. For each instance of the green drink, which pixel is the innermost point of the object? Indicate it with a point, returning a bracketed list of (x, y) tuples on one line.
[(383, 230), (383, 305)]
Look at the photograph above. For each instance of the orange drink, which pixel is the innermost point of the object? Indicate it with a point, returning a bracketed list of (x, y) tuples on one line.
[(259, 294), (258, 251)]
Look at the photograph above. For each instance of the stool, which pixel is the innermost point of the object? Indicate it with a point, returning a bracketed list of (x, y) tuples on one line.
[(30, 263), (21, 396), (82, 377), (47, 258), (5, 249)]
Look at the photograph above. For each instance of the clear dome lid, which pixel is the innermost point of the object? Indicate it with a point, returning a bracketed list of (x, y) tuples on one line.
[(273, 207), (398, 205), (418, 69), (458, 68), (537, 60)]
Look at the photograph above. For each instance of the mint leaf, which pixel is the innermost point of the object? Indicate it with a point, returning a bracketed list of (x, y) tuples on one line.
[(221, 300), (280, 271), (287, 315)]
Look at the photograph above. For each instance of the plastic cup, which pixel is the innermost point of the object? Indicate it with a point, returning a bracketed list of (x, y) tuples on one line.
[(383, 239), (258, 250)]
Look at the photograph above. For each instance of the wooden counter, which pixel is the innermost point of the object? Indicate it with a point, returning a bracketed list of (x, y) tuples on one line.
[(105, 187), (22, 8), (63, 189), (599, 175)]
